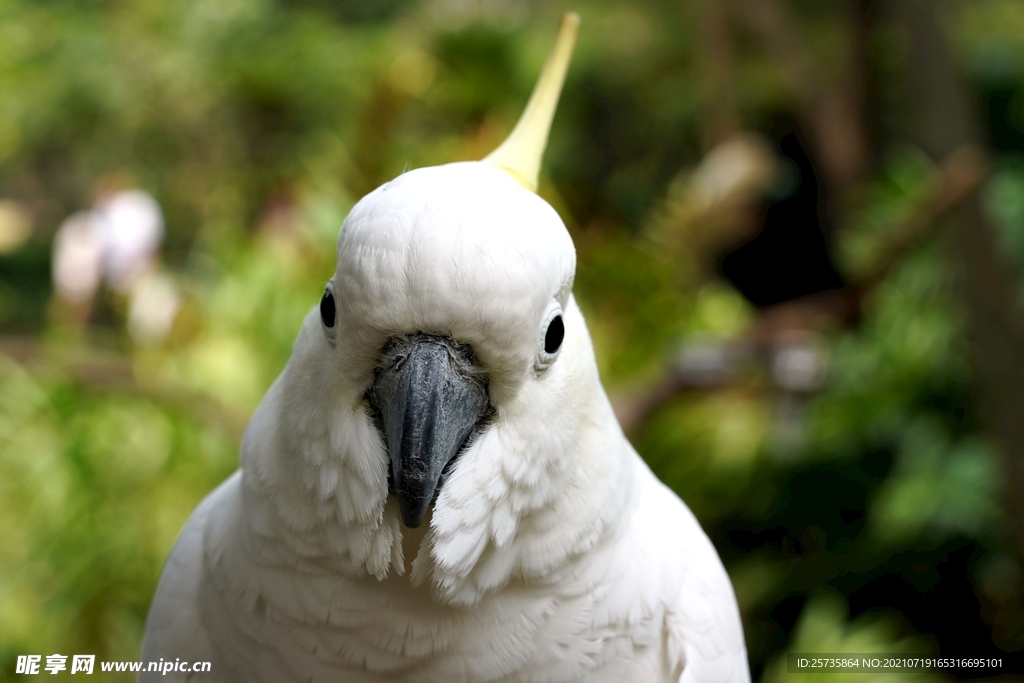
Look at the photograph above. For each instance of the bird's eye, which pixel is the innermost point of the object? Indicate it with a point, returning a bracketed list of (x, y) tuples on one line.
[(553, 337), (552, 332), (327, 308)]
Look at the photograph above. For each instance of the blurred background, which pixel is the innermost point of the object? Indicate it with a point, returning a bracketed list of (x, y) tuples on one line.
[(800, 234)]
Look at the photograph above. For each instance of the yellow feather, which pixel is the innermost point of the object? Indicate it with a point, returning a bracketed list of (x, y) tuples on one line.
[(521, 153)]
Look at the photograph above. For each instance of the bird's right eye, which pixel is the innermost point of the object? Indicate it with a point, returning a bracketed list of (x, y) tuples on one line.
[(327, 309)]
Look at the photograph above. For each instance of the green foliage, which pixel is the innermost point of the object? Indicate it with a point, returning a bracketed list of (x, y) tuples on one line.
[(823, 627)]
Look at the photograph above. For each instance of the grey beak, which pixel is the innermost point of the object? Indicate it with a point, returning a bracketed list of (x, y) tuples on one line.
[(429, 396)]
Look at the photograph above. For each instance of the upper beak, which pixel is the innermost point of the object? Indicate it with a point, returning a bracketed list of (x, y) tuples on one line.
[(429, 395)]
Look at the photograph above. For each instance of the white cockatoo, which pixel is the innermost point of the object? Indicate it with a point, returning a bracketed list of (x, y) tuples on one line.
[(436, 488)]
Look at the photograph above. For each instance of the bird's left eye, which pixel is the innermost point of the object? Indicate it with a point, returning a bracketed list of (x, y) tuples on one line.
[(553, 337), (552, 333), (327, 308)]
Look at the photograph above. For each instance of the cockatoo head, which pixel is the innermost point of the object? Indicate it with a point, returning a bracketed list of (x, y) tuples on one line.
[(449, 299)]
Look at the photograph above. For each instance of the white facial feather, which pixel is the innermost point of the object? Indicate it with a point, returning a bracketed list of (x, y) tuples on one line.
[(311, 423)]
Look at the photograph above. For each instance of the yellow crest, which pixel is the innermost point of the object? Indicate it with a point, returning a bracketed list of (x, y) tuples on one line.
[(521, 153)]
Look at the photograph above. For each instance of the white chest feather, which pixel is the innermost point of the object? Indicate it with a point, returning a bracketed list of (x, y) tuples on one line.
[(601, 617)]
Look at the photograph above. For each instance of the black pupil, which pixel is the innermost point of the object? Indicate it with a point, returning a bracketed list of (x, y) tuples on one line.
[(327, 309), (553, 337)]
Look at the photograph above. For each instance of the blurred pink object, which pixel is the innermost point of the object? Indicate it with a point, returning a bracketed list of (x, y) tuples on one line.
[(131, 228)]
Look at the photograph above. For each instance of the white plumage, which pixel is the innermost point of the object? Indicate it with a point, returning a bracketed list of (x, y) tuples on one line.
[(551, 554)]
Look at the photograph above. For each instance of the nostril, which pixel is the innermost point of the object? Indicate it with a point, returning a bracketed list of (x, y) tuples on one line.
[(416, 468)]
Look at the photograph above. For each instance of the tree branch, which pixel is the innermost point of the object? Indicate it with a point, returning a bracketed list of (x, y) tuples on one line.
[(831, 114), (957, 182)]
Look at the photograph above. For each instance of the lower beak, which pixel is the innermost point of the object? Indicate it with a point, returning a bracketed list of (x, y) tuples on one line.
[(429, 396)]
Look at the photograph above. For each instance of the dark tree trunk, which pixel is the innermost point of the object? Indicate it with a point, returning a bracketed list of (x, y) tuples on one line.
[(944, 118)]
